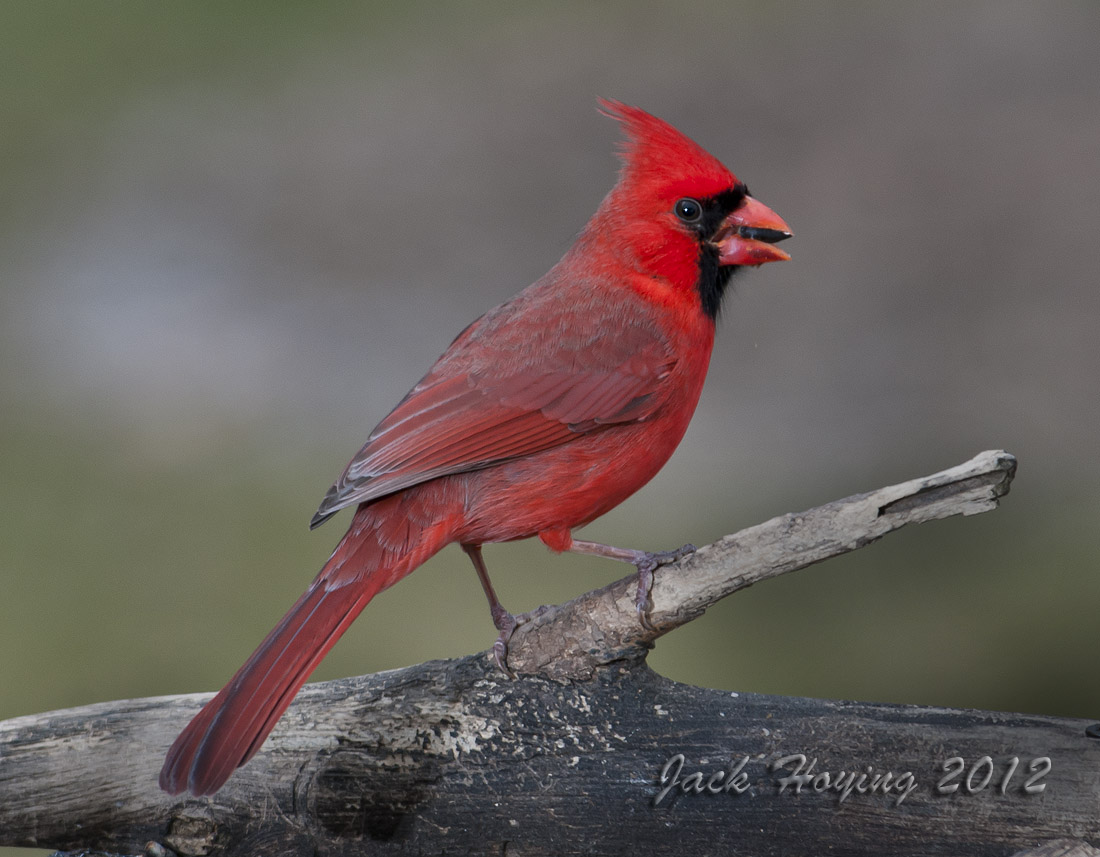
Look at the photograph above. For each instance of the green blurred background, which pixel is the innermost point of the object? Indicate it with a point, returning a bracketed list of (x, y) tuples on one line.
[(233, 235)]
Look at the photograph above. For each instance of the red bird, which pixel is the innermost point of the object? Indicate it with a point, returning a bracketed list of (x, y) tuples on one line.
[(543, 414)]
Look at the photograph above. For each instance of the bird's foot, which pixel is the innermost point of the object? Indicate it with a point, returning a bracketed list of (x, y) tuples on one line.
[(507, 623), (646, 564)]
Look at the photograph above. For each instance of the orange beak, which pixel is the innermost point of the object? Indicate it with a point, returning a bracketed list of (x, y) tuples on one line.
[(748, 235)]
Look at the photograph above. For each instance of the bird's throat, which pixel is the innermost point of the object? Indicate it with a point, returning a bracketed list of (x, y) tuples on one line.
[(712, 282)]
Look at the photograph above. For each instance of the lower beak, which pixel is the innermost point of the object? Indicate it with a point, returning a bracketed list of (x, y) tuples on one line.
[(748, 235)]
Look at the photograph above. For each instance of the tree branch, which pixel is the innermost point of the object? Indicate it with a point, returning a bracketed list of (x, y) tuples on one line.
[(575, 639), (589, 751)]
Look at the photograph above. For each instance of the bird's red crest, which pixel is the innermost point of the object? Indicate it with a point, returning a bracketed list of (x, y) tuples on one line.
[(654, 153)]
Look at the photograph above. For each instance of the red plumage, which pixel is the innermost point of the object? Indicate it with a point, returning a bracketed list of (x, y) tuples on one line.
[(542, 415)]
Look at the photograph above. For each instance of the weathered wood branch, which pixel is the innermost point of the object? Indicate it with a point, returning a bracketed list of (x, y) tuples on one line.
[(589, 751), (572, 641)]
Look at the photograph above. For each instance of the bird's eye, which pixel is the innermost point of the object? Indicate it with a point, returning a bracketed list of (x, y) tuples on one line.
[(689, 210)]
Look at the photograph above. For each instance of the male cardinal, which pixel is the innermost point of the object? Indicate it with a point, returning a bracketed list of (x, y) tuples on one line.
[(543, 414)]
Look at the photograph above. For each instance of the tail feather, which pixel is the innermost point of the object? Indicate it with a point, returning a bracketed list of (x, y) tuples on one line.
[(233, 725)]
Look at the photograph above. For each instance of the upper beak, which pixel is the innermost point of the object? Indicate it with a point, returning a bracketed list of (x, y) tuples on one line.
[(748, 235)]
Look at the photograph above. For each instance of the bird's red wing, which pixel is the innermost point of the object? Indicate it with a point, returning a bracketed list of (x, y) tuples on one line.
[(459, 418)]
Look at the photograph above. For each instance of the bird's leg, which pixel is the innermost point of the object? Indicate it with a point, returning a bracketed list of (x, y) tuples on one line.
[(504, 621), (644, 561)]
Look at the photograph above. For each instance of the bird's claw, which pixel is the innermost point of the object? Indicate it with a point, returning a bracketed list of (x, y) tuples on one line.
[(648, 563), (500, 646), (507, 623)]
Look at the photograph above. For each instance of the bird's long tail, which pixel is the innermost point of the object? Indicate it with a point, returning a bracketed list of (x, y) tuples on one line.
[(387, 539)]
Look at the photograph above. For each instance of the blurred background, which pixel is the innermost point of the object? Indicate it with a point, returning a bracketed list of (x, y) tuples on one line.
[(233, 235)]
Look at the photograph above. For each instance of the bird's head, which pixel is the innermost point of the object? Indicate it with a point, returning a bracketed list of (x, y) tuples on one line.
[(681, 214)]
